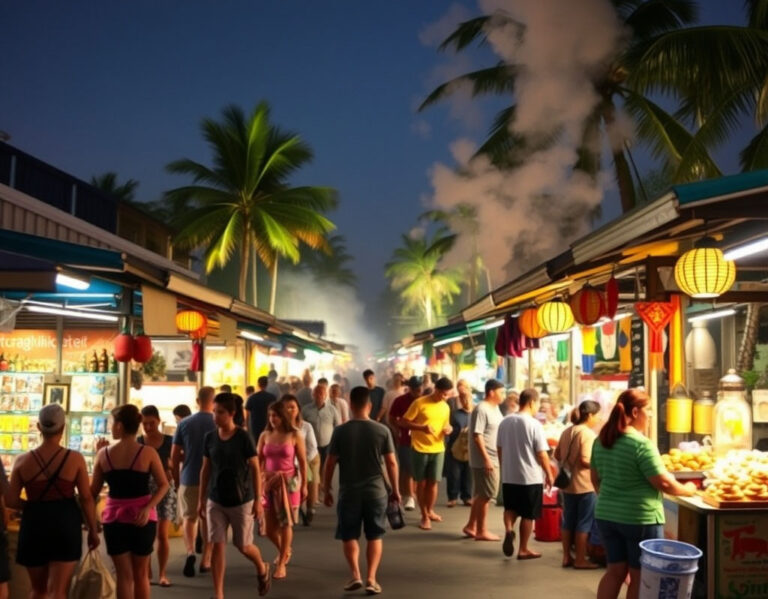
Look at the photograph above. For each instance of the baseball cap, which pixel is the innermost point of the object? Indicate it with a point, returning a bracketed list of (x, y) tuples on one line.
[(444, 384), (51, 418), (492, 385), (414, 382)]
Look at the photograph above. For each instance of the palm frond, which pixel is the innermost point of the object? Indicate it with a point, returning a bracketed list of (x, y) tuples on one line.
[(757, 13), (498, 79), (200, 225), (224, 243), (199, 172), (653, 17), (755, 155)]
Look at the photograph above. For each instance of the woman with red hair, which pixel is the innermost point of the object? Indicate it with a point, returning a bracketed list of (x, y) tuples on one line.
[(629, 477)]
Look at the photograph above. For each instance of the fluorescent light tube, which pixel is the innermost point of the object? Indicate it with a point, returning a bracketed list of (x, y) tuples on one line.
[(743, 251), (73, 282), (71, 313), (449, 340), (492, 325), (249, 335), (712, 315)]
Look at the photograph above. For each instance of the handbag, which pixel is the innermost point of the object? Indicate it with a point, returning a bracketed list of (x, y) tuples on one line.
[(395, 513), (92, 580), (563, 478)]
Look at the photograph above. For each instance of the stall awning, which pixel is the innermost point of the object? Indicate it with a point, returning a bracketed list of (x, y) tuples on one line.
[(713, 190), (60, 253)]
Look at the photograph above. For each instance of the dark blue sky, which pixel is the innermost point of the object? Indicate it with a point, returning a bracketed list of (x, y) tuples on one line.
[(98, 86)]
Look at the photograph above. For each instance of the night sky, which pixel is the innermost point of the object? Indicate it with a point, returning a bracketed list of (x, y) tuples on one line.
[(97, 86)]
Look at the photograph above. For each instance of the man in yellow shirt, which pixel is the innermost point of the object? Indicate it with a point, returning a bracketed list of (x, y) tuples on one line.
[(428, 418)]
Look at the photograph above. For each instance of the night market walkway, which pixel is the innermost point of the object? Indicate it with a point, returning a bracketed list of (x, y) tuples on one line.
[(416, 564)]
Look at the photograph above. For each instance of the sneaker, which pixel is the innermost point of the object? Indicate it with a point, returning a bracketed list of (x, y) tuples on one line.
[(189, 566), (410, 504), (508, 546)]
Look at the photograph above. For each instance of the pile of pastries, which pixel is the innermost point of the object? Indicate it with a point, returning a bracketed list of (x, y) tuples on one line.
[(740, 476), (678, 460)]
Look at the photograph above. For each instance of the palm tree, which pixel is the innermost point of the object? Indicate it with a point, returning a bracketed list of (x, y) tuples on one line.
[(244, 203), (718, 73), (331, 264), (462, 220), (415, 272), (107, 182)]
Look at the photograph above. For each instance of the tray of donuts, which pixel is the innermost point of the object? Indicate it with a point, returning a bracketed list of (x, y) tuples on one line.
[(738, 483)]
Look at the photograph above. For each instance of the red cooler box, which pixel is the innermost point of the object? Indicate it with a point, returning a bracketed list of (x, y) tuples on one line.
[(547, 527)]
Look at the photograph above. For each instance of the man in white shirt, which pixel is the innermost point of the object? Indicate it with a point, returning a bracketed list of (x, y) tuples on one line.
[(341, 404), (522, 449)]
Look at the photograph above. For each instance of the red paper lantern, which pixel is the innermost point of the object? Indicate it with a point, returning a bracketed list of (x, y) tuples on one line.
[(142, 348), (529, 324), (611, 297), (123, 347), (587, 305)]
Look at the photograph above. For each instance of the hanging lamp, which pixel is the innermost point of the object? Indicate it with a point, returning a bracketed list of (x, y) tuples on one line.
[(703, 272), (555, 316)]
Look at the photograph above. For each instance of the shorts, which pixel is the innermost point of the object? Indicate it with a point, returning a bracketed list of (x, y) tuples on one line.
[(51, 531), (485, 485), (622, 541), (189, 496), (427, 466), (524, 500), (127, 538), (239, 517), (404, 458), (578, 511), (355, 513), (5, 565), (313, 470)]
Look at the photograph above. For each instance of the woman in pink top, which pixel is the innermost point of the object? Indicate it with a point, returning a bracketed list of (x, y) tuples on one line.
[(280, 447)]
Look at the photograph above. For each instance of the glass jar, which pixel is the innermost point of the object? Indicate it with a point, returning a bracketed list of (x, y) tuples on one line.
[(732, 417)]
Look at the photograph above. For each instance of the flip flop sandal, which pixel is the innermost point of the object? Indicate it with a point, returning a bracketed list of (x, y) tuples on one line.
[(265, 581), (373, 588), (353, 585), (165, 584)]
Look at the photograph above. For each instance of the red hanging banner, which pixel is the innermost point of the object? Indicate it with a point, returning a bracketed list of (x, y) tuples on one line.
[(657, 316)]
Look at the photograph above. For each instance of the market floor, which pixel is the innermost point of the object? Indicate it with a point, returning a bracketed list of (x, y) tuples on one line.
[(416, 564)]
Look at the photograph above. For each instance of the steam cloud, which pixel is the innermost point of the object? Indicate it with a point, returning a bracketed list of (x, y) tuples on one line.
[(528, 214)]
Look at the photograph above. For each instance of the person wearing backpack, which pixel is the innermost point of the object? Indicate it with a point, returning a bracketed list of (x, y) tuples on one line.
[(50, 537), (457, 468), (232, 476)]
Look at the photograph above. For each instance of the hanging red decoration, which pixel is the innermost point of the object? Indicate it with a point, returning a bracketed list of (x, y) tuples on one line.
[(657, 316), (587, 305), (142, 348), (529, 324), (200, 333), (196, 364), (611, 297), (123, 347)]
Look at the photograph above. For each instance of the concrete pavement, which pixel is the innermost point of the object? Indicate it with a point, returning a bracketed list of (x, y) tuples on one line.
[(439, 564)]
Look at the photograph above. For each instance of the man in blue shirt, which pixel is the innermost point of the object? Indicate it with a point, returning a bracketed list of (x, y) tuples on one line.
[(188, 448)]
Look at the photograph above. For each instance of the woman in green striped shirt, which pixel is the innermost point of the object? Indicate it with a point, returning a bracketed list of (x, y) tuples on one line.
[(629, 477)]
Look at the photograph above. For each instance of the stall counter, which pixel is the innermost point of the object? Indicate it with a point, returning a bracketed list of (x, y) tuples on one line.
[(734, 541)]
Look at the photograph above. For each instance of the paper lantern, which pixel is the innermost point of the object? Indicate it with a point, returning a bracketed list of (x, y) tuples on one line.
[(190, 320), (142, 348), (587, 305), (457, 347), (123, 347), (529, 324), (200, 333), (555, 317), (703, 272), (611, 297)]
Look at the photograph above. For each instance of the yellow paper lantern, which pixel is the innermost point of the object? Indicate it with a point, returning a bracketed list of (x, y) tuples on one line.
[(190, 320), (457, 347), (555, 317), (529, 324), (703, 272)]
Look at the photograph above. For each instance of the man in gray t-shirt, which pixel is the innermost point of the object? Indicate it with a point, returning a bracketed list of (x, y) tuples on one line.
[(483, 428), (360, 446), (524, 462), (322, 416)]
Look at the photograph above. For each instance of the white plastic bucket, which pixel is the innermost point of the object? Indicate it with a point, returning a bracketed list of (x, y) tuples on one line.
[(668, 569)]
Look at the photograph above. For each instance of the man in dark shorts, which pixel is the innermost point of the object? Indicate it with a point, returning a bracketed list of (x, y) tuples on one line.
[(359, 446), (256, 409), (396, 412), (522, 450)]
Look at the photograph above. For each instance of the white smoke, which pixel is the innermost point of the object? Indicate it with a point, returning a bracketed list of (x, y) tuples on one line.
[(528, 214)]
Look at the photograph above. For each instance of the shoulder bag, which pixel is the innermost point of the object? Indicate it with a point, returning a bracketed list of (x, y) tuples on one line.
[(563, 479)]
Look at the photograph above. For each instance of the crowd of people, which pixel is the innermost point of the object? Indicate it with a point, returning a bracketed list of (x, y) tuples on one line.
[(263, 463)]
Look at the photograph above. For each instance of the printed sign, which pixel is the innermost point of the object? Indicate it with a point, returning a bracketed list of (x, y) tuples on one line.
[(637, 347), (28, 350), (742, 556)]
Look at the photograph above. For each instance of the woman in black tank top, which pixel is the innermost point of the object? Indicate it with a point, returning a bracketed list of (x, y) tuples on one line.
[(129, 516)]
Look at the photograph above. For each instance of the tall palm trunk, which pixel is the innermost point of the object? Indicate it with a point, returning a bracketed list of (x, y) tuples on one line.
[(428, 311), (746, 359), (254, 274), (243, 278), (273, 293), (623, 173)]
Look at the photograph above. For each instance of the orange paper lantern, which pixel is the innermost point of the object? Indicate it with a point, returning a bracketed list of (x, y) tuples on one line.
[(457, 347), (200, 333), (587, 305), (190, 320), (529, 324)]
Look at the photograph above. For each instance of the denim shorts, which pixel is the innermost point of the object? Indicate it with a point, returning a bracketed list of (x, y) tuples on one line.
[(578, 511), (622, 541), (356, 512)]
